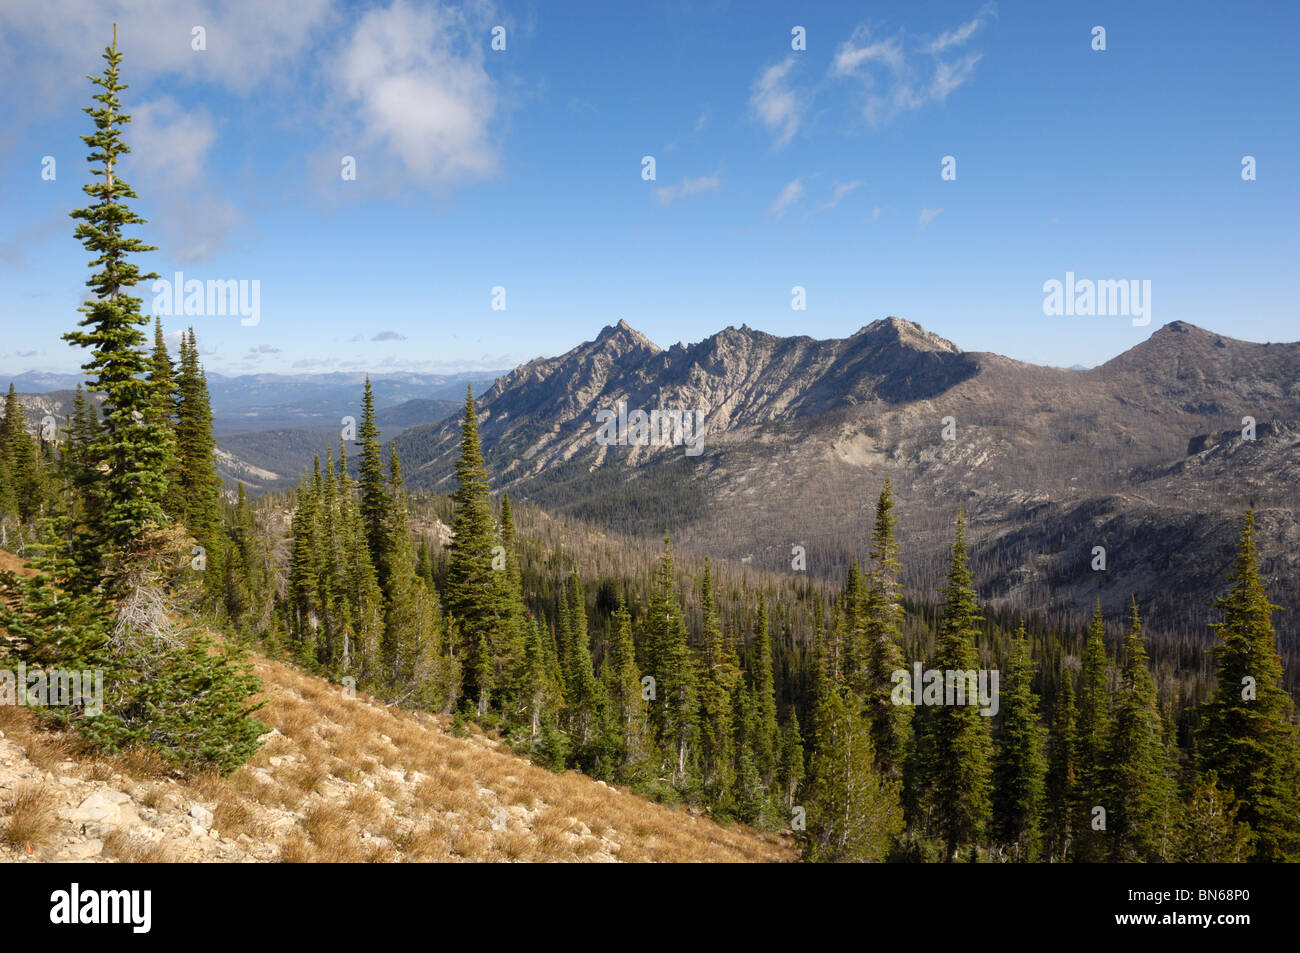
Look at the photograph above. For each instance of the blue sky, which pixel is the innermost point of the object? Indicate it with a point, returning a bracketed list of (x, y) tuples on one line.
[(774, 168)]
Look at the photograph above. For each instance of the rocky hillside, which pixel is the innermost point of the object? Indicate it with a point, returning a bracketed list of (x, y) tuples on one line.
[(338, 779), (1143, 456)]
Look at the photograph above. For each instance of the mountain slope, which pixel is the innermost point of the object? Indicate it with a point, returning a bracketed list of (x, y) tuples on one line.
[(339, 779), (1047, 462)]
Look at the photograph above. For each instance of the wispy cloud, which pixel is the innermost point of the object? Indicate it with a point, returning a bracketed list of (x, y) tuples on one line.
[(928, 215), (668, 194), (898, 74), (170, 148), (388, 336), (838, 191), (777, 106), (791, 194)]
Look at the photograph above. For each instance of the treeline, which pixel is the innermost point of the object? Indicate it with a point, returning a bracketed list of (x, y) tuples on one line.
[(686, 693), (121, 514)]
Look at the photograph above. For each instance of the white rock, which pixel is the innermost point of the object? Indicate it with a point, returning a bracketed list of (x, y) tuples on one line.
[(202, 816), (98, 809)]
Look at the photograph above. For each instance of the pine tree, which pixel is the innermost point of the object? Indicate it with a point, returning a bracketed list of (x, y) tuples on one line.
[(130, 448), (197, 482), (790, 773), (1248, 736), (18, 453), (1062, 779), (883, 623), (374, 499), (1208, 830), (1018, 767), (1092, 747), (718, 677), (767, 737), (475, 596), (584, 700), (853, 814), (635, 750), (162, 380), (958, 772), (1141, 821)]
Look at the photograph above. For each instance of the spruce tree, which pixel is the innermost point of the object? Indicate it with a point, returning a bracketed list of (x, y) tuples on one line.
[(1141, 821), (637, 758), (197, 482), (883, 611), (718, 677), (131, 447), (1062, 779), (1018, 767), (374, 499), (790, 773), (1092, 747), (1248, 733), (958, 772), (475, 596), (853, 814), (767, 738), (1208, 830)]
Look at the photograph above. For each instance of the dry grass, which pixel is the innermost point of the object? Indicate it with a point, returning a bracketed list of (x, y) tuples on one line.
[(30, 817), (334, 773)]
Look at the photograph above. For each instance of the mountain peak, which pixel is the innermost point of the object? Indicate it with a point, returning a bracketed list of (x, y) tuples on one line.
[(624, 337), (908, 334)]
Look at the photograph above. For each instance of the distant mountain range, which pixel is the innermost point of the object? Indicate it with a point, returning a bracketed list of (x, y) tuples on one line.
[(269, 426), (1143, 456)]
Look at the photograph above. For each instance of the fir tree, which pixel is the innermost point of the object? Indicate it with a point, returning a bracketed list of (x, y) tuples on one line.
[(130, 448), (853, 814), (1092, 746), (374, 499), (958, 772), (635, 749), (1248, 736), (1140, 823), (767, 737), (1018, 767), (718, 677), (883, 611), (790, 773), (1062, 780), (1208, 830)]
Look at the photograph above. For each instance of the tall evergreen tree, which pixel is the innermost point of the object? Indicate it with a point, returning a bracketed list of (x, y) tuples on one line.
[(883, 610), (130, 448), (198, 483), (374, 499), (1141, 822), (1248, 736), (853, 814), (1019, 768), (1062, 779), (958, 772), (635, 750), (767, 738), (1092, 747), (719, 675)]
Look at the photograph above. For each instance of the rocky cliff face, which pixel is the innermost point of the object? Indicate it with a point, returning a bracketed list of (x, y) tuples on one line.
[(1048, 463)]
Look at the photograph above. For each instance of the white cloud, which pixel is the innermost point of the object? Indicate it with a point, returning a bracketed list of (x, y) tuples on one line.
[(249, 42), (928, 215), (838, 192), (791, 194), (414, 77), (669, 193), (898, 75), (168, 162), (777, 106)]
